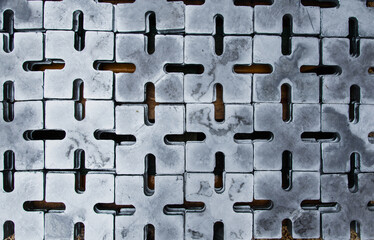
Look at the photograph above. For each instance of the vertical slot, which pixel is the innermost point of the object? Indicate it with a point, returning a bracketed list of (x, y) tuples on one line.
[(353, 173), (149, 232), (355, 230), (150, 173), (8, 101), (219, 106), (79, 231), (151, 32), (218, 231), (286, 35), (218, 172), (79, 166), (9, 169), (355, 99), (8, 229), (354, 39), (150, 100), (80, 101), (80, 35), (218, 35), (8, 27), (286, 170), (286, 100)]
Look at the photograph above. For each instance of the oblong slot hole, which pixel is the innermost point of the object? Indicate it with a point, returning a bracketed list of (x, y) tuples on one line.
[(354, 42), (355, 99), (112, 208), (114, 67), (37, 206), (286, 102), (44, 134), (287, 34), (8, 27), (186, 137), (9, 168), (79, 36), (151, 32), (218, 172), (8, 101), (79, 166), (180, 209), (287, 226), (115, 2), (219, 106), (354, 170), (321, 69), (150, 172), (80, 101), (253, 69), (48, 64), (245, 207), (79, 231), (320, 137), (218, 231), (8, 229), (371, 137), (321, 4), (218, 35), (149, 232), (252, 3), (184, 68), (255, 136), (111, 135), (150, 100), (355, 230), (286, 170)]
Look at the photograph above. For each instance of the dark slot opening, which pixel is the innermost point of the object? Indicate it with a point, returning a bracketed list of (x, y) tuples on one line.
[(114, 67), (287, 34), (48, 64), (286, 170), (245, 207), (255, 136), (44, 134), (8, 27), (218, 172), (150, 172), (354, 40), (151, 32), (287, 224), (355, 99), (371, 137), (38, 206), (9, 169), (186, 137), (8, 228), (80, 35), (184, 68), (218, 35), (219, 106), (150, 100), (253, 69), (320, 136), (149, 232), (115, 2), (218, 231), (80, 101), (112, 208), (80, 166), (353, 173), (79, 231), (189, 2), (321, 70), (370, 3), (318, 205), (355, 230), (8, 101), (175, 209), (111, 135), (252, 3), (286, 100), (321, 3)]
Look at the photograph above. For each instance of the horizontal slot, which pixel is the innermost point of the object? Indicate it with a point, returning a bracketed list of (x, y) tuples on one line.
[(114, 67), (253, 69)]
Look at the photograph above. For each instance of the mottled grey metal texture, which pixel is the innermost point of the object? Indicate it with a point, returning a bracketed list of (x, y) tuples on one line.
[(231, 14), (219, 205), (150, 139), (286, 69), (334, 21), (286, 204), (131, 48), (354, 70), (352, 206), (200, 156), (199, 88), (96, 16), (132, 17), (353, 137), (79, 207), (99, 154), (27, 14), (305, 19), (79, 64), (29, 155), (28, 186), (149, 209), (287, 137), (27, 47)]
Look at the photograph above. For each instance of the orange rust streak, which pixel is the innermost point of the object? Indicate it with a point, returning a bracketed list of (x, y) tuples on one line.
[(118, 67)]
